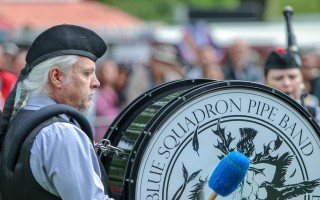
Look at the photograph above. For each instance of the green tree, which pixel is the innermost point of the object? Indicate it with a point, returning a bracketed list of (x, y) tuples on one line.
[(275, 7), (163, 10), (150, 10)]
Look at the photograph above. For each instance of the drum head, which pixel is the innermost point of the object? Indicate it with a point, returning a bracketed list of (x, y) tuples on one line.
[(189, 136), (125, 130)]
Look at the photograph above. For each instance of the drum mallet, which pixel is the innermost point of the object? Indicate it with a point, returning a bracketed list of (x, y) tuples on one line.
[(228, 175)]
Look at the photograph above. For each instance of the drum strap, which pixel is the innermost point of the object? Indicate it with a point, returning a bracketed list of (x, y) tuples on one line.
[(42, 115), (38, 117)]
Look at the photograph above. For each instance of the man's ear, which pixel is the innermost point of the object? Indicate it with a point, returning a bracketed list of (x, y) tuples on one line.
[(56, 77)]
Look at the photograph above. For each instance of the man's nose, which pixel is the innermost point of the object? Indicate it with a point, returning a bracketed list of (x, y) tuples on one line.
[(286, 81), (95, 82)]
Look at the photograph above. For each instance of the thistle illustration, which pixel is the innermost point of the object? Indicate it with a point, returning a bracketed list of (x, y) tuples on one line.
[(283, 192), (197, 193), (276, 189), (224, 144), (187, 179), (195, 140)]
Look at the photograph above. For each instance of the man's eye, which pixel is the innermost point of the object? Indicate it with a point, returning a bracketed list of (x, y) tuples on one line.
[(87, 74), (278, 78), (292, 77)]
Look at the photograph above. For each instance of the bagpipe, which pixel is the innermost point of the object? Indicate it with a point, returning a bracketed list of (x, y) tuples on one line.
[(292, 47)]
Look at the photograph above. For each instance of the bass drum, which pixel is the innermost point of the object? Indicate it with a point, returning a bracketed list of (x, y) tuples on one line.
[(125, 130), (183, 142)]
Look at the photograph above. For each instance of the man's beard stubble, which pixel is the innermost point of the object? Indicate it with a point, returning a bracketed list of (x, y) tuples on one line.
[(87, 111)]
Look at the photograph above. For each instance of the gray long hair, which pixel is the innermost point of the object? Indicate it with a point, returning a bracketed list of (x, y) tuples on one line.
[(36, 82)]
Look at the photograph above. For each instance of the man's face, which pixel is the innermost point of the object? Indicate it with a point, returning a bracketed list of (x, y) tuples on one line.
[(78, 89), (286, 80)]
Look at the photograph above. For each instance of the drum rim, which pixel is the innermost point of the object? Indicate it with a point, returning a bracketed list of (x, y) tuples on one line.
[(142, 101), (129, 164), (186, 97), (155, 93), (138, 105)]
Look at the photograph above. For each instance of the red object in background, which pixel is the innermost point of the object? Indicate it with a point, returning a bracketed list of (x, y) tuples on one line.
[(8, 79), (280, 50)]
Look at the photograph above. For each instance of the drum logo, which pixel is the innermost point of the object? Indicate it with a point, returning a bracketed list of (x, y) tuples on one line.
[(282, 146)]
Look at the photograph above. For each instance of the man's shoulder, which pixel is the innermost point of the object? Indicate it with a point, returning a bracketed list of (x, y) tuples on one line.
[(63, 131)]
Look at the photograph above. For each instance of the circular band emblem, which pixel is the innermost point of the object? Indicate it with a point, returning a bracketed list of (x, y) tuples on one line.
[(192, 137)]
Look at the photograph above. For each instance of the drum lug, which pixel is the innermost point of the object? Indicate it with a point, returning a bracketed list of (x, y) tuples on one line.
[(114, 128), (130, 180), (146, 133), (133, 155), (150, 95), (183, 98)]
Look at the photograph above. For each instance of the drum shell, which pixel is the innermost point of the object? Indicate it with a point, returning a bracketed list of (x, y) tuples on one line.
[(246, 127), (129, 124)]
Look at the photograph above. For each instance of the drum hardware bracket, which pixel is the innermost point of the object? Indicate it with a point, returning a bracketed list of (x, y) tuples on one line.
[(133, 155), (130, 180), (105, 146), (182, 98), (146, 132), (150, 95), (114, 128)]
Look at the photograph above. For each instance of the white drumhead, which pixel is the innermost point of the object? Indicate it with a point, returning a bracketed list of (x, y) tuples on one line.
[(278, 137)]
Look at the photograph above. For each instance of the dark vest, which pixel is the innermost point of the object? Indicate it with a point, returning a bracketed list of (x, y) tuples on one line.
[(20, 183)]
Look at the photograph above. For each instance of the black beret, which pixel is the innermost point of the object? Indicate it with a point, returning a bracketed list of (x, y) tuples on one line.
[(279, 60), (65, 39)]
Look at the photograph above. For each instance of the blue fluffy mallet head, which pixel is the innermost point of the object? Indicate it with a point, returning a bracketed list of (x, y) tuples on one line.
[(229, 173)]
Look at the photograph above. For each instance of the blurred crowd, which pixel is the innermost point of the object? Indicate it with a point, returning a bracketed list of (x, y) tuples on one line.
[(196, 56)]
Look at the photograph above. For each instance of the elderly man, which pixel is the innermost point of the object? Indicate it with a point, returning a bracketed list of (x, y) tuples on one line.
[(57, 159)]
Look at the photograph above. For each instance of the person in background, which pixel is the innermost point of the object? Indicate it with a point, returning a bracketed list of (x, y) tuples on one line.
[(1, 64), (57, 159), (8, 75), (311, 73), (163, 66), (107, 100), (241, 63), (19, 61), (125, 70), (214, 72), (11, 50), (281, 74), (206, 58)]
